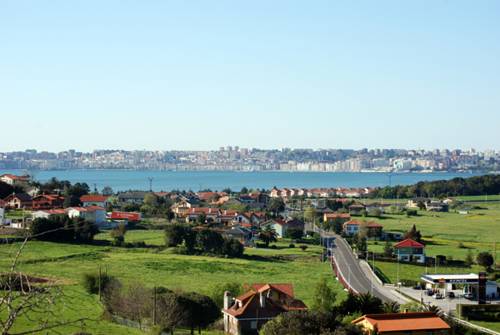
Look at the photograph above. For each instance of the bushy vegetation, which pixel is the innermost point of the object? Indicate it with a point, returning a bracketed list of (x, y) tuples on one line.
[(204, 241), (480, 185), (63, 229)]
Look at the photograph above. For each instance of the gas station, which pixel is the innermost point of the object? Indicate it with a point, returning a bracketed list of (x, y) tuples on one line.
[(472, 286)]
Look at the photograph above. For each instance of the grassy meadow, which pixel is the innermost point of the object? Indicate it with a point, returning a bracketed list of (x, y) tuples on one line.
[(153, 266), (450, 234)]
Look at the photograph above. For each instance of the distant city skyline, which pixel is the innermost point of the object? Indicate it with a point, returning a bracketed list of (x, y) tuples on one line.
[(169, 75)]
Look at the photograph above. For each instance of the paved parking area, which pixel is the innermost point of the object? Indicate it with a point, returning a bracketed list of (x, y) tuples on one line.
[(446, 304)]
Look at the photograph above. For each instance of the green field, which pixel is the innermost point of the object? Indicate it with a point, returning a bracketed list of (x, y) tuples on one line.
[(450, 234), (152, 266)]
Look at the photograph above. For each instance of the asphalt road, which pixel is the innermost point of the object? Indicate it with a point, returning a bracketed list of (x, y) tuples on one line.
[(354, 275)]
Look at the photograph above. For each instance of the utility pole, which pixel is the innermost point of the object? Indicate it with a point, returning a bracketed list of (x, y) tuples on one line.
[(154, 305), (99, 283), (150, 184)]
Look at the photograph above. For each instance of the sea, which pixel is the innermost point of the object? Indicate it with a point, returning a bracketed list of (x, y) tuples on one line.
[(122, 180)]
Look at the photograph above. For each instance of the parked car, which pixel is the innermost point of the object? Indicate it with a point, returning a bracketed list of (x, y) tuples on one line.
[(450, 295), (429, 292), (438, 296), (468, 295)]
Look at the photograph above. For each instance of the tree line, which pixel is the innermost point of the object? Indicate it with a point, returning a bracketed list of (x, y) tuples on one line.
[(201, 241), (479, 185)]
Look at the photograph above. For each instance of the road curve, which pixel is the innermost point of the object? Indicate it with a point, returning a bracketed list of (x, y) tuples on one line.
[(353, 275)]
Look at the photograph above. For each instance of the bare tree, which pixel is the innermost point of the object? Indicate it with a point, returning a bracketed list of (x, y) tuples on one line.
[(28, 298)]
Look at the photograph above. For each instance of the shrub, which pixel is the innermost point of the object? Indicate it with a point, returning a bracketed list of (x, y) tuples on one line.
[(291, 245), (303, 247), (91, 282)]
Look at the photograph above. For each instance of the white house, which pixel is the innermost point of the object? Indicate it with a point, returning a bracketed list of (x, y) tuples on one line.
[(2, 215), (281, 226), (93, 214), (410, 251), (12, 179), (47, 213)]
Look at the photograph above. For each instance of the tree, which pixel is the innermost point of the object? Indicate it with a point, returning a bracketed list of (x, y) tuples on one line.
[(232, 248), (150, 199), (293, 323), (5, 190), (414, 234), (201, 311), (107, 190), (118, 234), (485, 259), (276, 205), (268, 235), (361, 245), (391, 307), (209, 241), (174, 235), (217, 292), (388, 249), (294, 233), (310, 214), (202, 218), (22, 298), (244, 190), (172, 311), (363, 303), (324, 297), (469, 259)]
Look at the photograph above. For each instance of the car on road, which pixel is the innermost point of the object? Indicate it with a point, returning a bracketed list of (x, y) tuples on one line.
[(450, 295), (430, 293), (468, 295), (438, 296)]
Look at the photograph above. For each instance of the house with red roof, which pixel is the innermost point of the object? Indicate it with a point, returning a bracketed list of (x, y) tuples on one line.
[(281, 226), (211, 214), (410, 251), (353, 227), (94, 200), (417, 323), (247, 313), (47, 201)]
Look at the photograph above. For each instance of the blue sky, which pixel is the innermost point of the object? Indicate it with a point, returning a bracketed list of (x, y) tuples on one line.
[(270, 74)]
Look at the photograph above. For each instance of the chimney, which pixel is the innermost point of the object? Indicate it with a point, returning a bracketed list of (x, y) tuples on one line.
[(262, 299), (227, 299)]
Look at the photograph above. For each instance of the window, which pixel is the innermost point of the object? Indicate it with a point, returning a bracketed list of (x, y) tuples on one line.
[(253, 324)]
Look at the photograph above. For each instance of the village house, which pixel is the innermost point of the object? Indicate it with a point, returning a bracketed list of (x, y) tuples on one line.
[(415, 203), (211, 214), (94, 200), (331, 217), (247, 313), (242, 234), (18, 201), (92, 214), (132, 197), (12, 179), (47, 201), (281, 226), (416, 323), (353, 227), (47, 213), (410, 251), (436, 206), (357, 209)]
